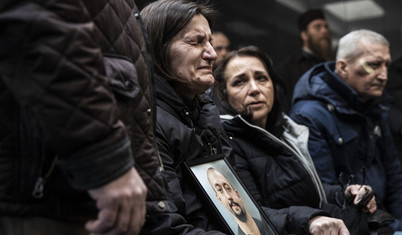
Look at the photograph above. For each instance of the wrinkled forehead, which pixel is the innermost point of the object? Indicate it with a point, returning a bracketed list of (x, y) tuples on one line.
[(374, 50)]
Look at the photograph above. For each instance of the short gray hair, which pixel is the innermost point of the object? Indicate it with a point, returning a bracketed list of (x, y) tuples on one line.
[(349, 45)]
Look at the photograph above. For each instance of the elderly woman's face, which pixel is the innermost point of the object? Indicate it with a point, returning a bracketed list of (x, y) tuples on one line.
[(191, 56), (249, 86)]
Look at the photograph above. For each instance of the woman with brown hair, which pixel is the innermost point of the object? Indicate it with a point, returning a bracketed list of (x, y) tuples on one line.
[(271, 155)]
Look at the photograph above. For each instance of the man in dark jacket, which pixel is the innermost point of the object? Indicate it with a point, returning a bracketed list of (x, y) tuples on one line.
[(342, 104), (316, 48), (61, 132), (394, 87)]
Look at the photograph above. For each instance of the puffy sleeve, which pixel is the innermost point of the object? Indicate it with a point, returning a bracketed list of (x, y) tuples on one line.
[(51, 62)]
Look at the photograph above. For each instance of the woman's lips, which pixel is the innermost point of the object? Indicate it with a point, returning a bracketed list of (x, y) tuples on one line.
[(255, 104)]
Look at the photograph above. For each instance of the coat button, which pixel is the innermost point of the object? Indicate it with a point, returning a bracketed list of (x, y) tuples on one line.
[(149, 110), (137, 15), (340, 140), (330, 107), (129, 85), (161, 205)]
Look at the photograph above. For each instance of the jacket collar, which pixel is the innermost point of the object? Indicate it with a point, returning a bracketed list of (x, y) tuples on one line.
[(200, 112), (323, 83), (170, 101)]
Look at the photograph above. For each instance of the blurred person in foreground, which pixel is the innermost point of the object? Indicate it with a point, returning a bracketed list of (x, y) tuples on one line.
[(342, 104), (76, 123)]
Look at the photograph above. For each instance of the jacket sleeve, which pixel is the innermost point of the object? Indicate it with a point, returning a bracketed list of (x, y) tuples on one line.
[(335, 194), (52, 64), (294, 219), (393, 175), (394, 119), (394, 88), (306, 114)]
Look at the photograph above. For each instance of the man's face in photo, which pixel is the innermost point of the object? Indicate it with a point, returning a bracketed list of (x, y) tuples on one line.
[(227, 196)]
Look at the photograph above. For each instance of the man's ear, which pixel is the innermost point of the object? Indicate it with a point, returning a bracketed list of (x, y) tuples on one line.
[(303, 35), (342, 69)]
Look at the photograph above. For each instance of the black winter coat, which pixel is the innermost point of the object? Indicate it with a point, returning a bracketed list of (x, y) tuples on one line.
[(281, 183), (274, 177), (292, 68), (58, 115), (186, 130), (394, 87)]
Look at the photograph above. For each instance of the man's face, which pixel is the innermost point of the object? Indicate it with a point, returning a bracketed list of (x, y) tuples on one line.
[(368, 73), (316, 37), (229, 197), (221, 45)]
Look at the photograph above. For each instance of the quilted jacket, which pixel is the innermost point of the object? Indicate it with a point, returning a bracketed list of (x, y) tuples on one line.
[(64, 64)]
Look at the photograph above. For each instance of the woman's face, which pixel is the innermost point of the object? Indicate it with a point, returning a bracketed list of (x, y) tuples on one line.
[(191, 56), (249, 87)]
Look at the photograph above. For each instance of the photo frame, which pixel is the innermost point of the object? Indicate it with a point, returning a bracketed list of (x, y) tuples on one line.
[(231, 201)]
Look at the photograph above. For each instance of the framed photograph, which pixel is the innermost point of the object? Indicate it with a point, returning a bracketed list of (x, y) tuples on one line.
[(231, 200)]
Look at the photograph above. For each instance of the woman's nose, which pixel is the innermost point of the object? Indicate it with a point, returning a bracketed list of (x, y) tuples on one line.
[(253, 88), (209, 52)]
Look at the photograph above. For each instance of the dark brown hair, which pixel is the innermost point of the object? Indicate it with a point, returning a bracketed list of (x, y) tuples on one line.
[(163, 20), (275, 118)]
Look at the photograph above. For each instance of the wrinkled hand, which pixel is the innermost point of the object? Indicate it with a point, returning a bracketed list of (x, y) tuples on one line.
[(121, 205), (357, 191), (324, 225)]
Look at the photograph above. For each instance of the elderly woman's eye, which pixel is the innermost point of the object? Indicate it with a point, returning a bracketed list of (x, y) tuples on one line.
[(237, 83)]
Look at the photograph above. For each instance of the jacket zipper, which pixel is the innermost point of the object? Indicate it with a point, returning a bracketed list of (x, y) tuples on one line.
[(322, 197), (40, 181)]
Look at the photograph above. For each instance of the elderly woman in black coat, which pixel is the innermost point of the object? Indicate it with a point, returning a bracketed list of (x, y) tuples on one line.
[(188, 124), (271, 154)]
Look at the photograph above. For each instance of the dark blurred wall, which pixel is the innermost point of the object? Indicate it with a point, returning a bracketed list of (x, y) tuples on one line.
[(255, 22), (271, 25)]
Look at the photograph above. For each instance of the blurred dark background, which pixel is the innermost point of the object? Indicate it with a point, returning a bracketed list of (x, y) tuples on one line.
[(271, 24)]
